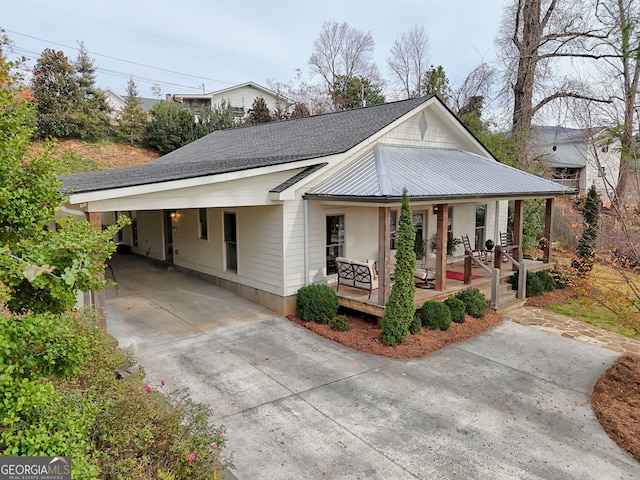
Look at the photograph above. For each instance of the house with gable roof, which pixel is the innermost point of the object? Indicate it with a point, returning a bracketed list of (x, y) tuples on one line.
[(264, 210), (239, 97), (117, 102), (579, 158)]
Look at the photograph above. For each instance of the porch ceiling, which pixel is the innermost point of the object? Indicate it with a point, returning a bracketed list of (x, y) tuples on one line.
[(430, 174)]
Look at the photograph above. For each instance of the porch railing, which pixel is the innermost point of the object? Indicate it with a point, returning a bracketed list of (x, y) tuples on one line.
[(518, 264)]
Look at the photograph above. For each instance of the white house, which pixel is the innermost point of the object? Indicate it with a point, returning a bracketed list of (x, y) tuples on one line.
[(579, 158), (116, 103), (264, 210), (239, 97)]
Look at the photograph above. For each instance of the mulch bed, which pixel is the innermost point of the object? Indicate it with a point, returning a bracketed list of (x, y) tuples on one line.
[(616, 403), (365, 335)]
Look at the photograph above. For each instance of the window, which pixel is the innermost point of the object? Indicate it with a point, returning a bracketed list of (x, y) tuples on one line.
[(393, 226), (237, 111), (231, 241), (334, 241), (203, 229), (601, 172)]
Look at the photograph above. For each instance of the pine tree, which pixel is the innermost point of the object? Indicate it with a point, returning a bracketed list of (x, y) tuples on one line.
[(91, 111), (133, 120), (587, 244), (400, 308), (259, 112)]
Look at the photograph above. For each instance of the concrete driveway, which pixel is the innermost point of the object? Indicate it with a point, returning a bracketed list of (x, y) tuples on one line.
[(512, 403)]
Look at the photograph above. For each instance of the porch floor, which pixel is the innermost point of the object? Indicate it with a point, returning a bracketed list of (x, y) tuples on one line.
[(357, 299)]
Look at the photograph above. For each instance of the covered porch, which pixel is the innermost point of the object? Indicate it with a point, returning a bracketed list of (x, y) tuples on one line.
[(358, 300), (441, 184)]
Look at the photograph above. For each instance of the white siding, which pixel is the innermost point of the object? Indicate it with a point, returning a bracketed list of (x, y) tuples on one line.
[(293, 246), (610, 160), (243, 97), (150, 234), (437, 134), (260, 263)]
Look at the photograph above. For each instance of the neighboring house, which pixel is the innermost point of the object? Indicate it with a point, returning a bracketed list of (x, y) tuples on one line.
[(239, 97), (579, 158), (117, 102), (266, 209)]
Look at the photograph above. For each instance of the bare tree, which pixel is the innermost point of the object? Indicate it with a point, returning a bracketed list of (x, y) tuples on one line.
[(535, 35), (343, 51), (299, 91), (409, 61), (478, 84), (619, 80)]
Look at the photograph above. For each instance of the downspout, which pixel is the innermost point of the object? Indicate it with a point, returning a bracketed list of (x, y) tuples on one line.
[(306, 241)]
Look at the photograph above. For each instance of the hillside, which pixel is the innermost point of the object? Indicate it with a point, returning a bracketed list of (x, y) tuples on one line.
[(77, 156)]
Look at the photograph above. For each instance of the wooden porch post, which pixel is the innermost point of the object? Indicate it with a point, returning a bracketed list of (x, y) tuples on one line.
[(441, 247), (548, 229), (384, 254), (98, 298), (518, 219)]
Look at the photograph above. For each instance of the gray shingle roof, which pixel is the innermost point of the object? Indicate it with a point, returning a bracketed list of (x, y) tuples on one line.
[(430, 174), (256, 146)]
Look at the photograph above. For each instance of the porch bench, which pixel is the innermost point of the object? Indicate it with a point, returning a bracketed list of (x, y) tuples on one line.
[(356, 274)]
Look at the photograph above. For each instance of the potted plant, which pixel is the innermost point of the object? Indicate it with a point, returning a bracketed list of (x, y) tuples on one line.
[(452, 243)]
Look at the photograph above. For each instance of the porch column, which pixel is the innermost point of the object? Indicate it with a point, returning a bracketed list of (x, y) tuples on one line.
[(441, 246), (384, 254), (548, 229), (518, 219), (98, 298)]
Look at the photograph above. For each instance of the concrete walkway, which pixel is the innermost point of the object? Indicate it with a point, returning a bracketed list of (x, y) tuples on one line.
[(571, 328), (510, 403)]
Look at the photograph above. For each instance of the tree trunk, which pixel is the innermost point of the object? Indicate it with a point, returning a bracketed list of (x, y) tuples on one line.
[(527, 46)]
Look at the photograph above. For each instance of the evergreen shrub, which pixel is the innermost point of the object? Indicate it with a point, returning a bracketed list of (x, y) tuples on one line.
[(416, 325), (316, 303), (340, 323), (547, 280), (457, 308), (435, 315), (475, 303)]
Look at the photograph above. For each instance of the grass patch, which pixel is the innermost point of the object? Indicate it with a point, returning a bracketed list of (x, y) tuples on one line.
[(592, 313), (605, 299)]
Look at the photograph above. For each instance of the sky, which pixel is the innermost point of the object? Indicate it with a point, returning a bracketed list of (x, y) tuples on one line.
[(195, 45)]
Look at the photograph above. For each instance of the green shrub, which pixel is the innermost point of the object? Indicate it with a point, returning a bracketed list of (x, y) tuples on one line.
[(317, 303), (416, 325), (535, 286), (111, 428), (340, 323), (457, 309), (400, 307), (435, 315), (537, 282), (475, 303), (547, 280)]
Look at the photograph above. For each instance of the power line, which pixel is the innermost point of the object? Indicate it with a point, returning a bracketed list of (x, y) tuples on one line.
[(122, 60), (118, 74)]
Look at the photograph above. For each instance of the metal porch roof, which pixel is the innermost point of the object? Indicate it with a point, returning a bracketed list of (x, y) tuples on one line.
[(429, 173)]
